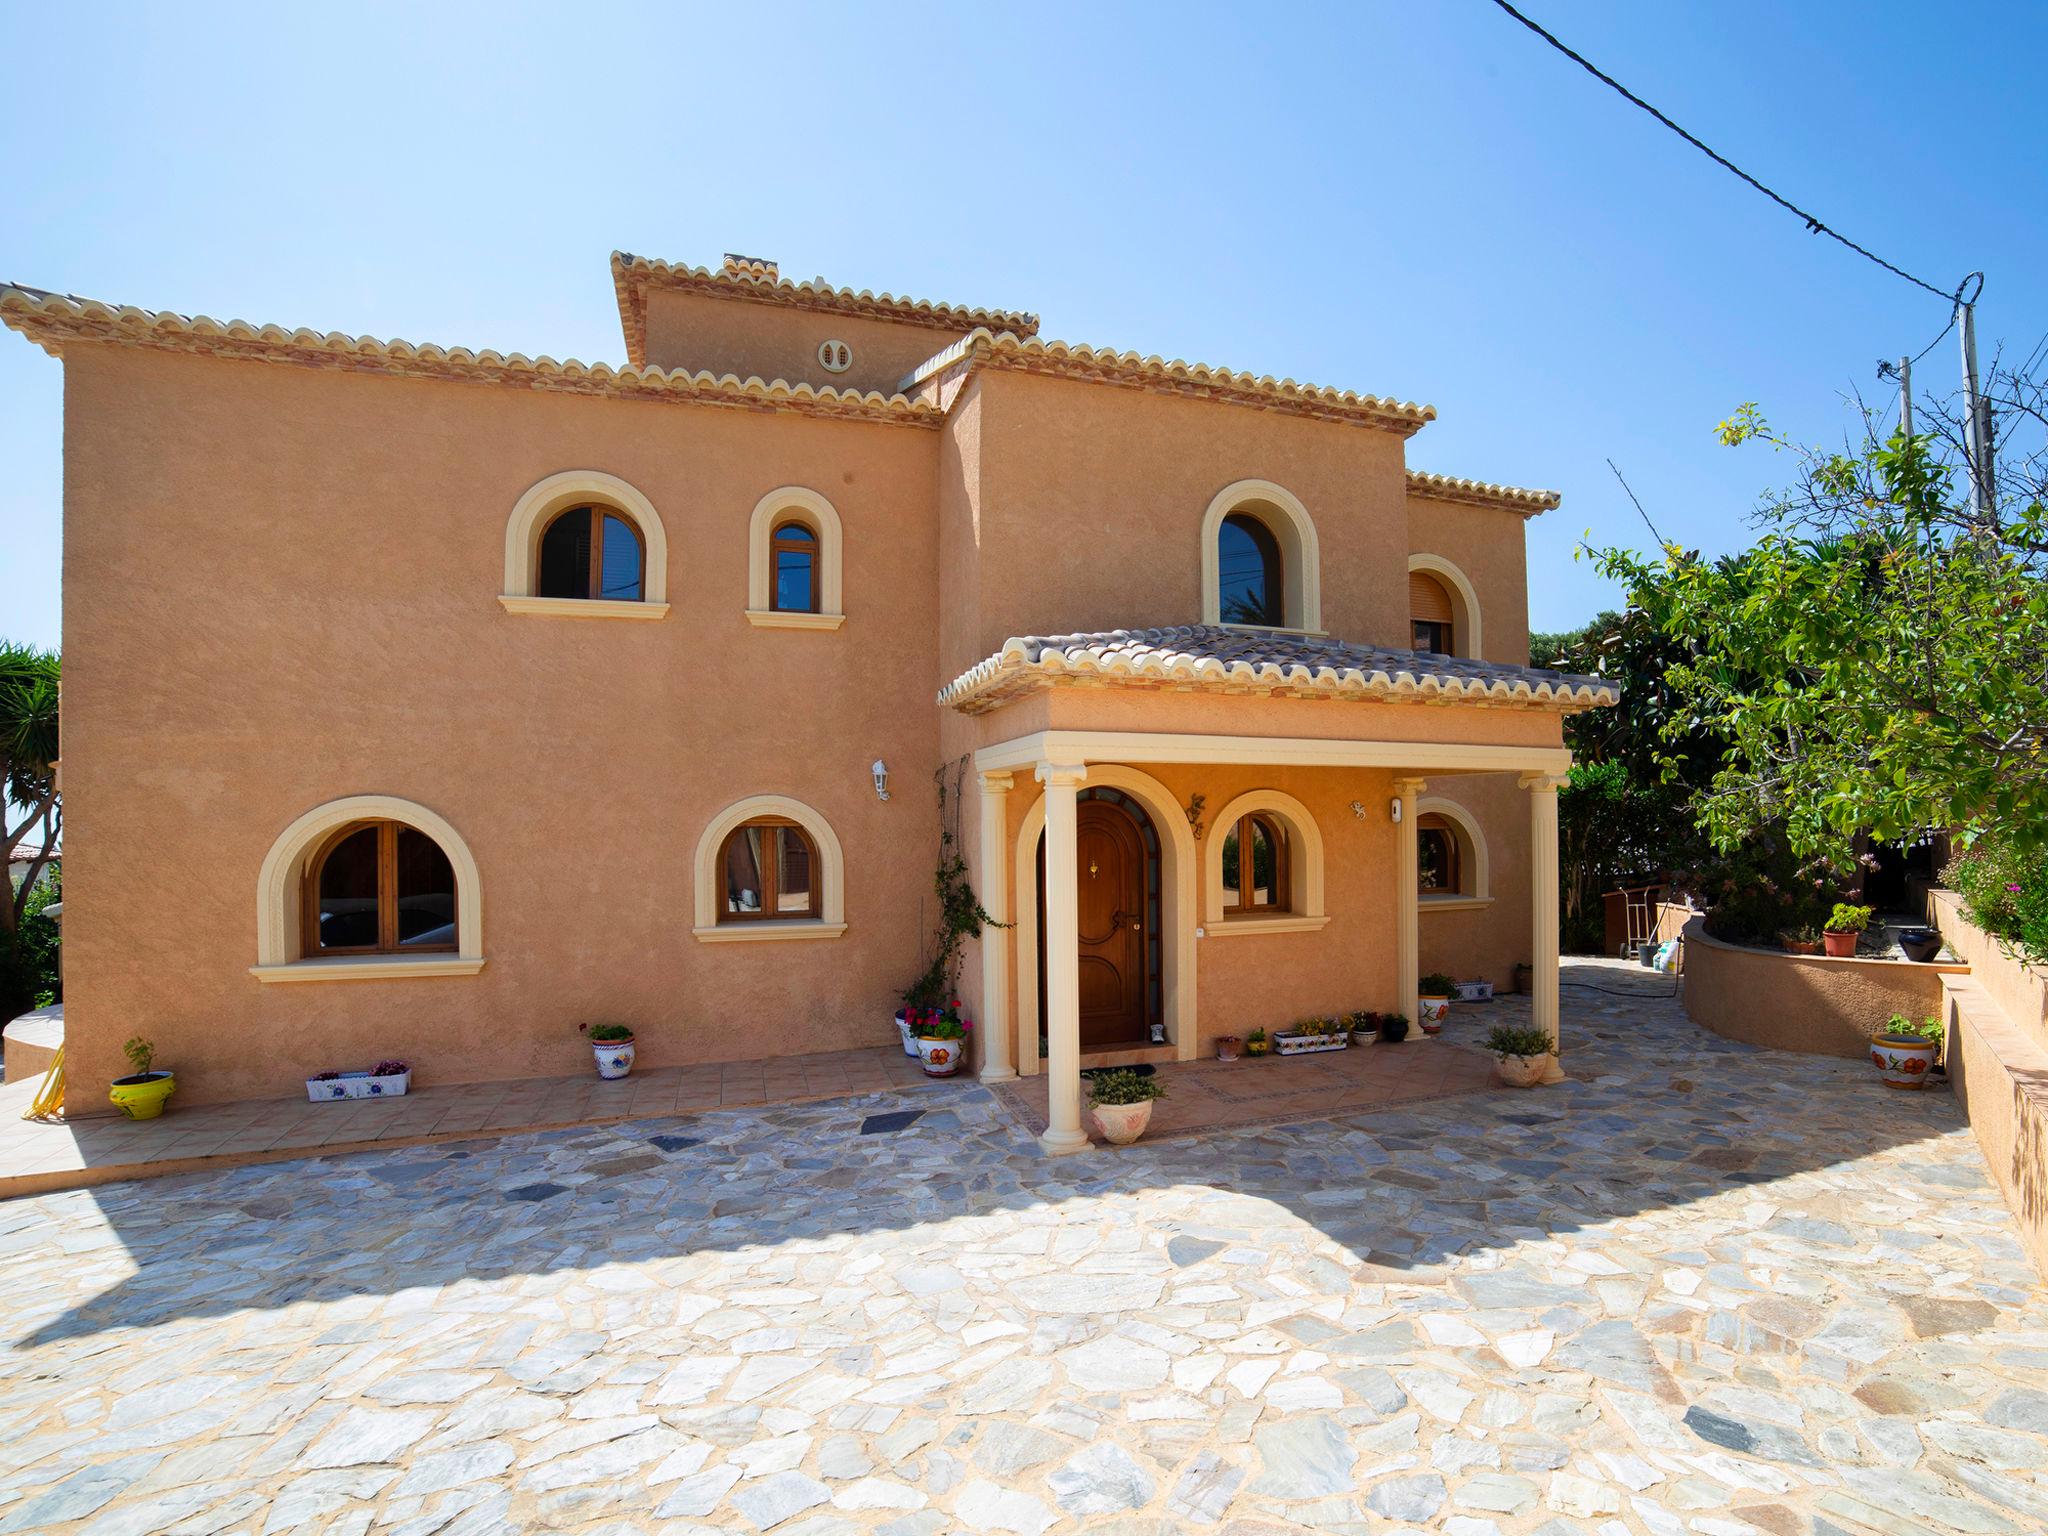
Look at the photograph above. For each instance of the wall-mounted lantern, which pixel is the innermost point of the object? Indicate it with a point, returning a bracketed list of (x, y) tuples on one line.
[(881, 772)]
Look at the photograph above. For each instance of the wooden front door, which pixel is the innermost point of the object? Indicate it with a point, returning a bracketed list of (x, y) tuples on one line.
[(1111, 865)]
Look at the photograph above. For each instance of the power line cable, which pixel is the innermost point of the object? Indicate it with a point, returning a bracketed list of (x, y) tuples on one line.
[(1813, 224)]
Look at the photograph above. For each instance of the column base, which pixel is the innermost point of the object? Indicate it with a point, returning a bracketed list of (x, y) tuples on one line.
[(1553, 1071), (1061, 1143), (998, 1074)]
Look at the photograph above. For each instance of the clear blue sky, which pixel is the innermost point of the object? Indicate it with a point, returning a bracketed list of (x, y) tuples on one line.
[(1417, 200)]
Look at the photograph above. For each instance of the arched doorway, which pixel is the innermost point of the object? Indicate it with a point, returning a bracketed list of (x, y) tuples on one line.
[(1121, 922)]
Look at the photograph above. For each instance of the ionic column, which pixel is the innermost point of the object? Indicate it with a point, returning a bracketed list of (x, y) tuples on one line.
[(998, 1032), (1063, 1131), (1407, 908), (1543, 1010)]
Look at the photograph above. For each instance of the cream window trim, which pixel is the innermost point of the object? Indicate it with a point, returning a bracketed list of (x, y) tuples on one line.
[(1251, 927), (1304, 861), (284, 867), (1479, 877), (831, 919), (368, 968), (1466, 633), (1301, 558), (582, 607), (728, 933), (775, 618), (539, 503), (799, 504), (1429, 903)]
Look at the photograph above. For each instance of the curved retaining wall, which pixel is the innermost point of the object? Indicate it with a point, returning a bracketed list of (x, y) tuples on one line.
[(32, 1042), (1809, 1003)]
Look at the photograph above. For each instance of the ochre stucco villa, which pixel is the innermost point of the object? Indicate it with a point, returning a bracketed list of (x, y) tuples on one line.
[(423, 702)]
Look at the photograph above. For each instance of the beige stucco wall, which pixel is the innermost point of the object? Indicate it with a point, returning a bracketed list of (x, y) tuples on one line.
[(724, 335), (281, 588), (1811, 1003), (1488, 546), (2018, 990)]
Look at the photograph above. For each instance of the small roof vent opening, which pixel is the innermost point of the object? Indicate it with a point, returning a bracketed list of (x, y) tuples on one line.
[(737, 265)]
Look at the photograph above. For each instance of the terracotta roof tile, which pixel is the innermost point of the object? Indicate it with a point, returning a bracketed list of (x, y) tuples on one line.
[(1482, 493), (1211, 657)]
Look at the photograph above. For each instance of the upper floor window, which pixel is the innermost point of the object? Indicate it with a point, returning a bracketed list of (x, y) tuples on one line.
[(1255, 875), (795, 552), (1249, 573), (768, 869), (591, 552), (378, 888), (1431, 614)]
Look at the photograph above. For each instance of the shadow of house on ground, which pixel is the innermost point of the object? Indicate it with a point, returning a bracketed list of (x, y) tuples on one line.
[(1694, 1248)]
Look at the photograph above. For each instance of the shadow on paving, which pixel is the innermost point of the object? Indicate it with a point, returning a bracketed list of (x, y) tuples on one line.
[(1659, 1114)]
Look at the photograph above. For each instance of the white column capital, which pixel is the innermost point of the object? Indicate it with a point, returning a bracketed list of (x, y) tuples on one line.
[(1543, 783), (1408, 789), (1061, 775), (997, 781)]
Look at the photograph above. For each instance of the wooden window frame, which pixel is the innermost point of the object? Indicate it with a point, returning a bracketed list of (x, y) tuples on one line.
[(594, 584), (387, 895), (1238, 902), (1453, 860), (815, 549), (1443, 631), (1274, 559), (771, 876)]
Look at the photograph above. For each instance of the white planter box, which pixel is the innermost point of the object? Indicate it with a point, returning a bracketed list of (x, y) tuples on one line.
[(1302, 1045), (1475, 991), (358, 1085)]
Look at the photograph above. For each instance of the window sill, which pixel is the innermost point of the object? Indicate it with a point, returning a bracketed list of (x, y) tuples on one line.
[(582, 607), (1454, 903), (1238, 927), (775, 618), (1275, 629), (370, 968), (795, 928)]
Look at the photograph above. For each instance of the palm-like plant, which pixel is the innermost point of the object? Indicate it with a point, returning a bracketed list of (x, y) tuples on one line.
[(28, 764)]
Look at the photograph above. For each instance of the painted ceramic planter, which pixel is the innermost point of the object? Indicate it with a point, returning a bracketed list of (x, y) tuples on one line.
[(1520, 1071), (142, 1097), (1475, 991), (1839, 946), (1903, 1061), (903, 1030), (1434, 1011), (1303, 1045), (358, 1085), (1123, 1124), (940, 1058), (614, 1057), (1794, 946), (1228, 1047)]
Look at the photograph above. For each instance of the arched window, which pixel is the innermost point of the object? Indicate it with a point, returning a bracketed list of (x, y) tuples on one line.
[(591, 552), (1431, 614), (794, 550), (378, 888), (768, 869), (1437, 857), (1251, 583), (1255, 872)]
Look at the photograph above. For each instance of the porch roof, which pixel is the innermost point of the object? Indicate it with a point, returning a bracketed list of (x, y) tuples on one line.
[(1222, 659)]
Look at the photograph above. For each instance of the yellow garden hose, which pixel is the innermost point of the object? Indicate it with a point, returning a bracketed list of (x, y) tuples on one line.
[(48, 1103)]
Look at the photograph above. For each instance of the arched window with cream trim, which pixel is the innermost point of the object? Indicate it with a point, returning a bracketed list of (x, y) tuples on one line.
[(1261, 561), (794, 562), (1443, 608), (769, 867), (1263, 867), (586, 545), (1451, 859)]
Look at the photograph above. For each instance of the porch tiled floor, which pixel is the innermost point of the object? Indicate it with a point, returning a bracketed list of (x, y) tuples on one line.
[(36, 1157), (1226, 1095)]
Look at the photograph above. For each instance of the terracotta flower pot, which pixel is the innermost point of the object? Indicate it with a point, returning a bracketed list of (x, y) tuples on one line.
[(1123, 1124), (1800, 946), (1903, 1061), (1840, 946), (1520, 1071), (1229, 1047)]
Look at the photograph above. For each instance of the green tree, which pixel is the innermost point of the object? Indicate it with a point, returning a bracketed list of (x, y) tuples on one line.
[(1878, 661), (31, 814)]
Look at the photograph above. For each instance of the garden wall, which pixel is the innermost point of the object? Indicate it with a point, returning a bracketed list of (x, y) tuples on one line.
[(1808, 1003)]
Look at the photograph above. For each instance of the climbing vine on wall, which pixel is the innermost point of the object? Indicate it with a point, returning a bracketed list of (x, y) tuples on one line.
[(960, 914)]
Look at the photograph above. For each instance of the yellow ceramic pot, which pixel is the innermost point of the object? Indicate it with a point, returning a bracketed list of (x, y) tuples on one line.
[(142, 1097)]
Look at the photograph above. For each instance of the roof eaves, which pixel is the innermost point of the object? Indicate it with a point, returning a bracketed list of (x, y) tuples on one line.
[(1481, 493)]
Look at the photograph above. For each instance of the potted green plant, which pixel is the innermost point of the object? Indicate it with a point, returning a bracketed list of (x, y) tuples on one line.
[(612, 1045), (941, 1036), (1311, 1034), (922, 996), (1122, 1101), (1520, 1051), (1393, 1027), (1801, 940), (1229, 1047), (1845, 926), (1256, 1043), (141, 1095), (1364, 1026), (1904, 1053), (1436, 990)]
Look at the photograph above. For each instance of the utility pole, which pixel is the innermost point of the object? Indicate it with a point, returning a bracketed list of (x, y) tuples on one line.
[(1977, 433), (1906, 396)]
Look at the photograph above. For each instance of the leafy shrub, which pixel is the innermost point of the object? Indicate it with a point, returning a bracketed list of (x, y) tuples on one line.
[(1847, 918), (1518, 1040), (141, 1055), (1929, 1028), (2005, 892), (1762, 890), (1123, 1086), (601, 1034), (1437, 984)]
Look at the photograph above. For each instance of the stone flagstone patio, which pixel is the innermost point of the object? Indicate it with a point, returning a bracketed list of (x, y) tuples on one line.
[(1698, 1291)]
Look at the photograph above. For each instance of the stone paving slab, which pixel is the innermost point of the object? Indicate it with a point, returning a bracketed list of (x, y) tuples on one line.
[(1700, 1290)]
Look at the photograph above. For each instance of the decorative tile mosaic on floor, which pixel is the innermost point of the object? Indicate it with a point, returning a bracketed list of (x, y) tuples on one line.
[(1700, 1290)]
